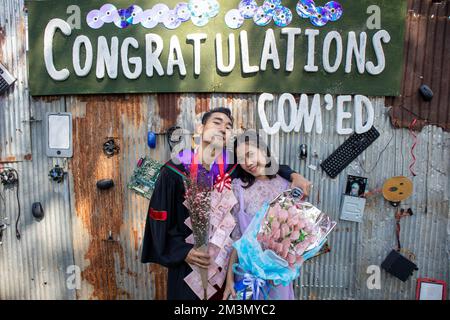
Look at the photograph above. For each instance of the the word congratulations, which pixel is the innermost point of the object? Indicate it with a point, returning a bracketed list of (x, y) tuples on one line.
[(149, 53)]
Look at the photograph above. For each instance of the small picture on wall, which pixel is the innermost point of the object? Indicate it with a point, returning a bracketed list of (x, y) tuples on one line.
[(356, 186)]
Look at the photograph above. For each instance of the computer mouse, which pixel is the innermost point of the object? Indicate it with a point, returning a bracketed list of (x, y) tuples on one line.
[(105, 184), (37, 211)]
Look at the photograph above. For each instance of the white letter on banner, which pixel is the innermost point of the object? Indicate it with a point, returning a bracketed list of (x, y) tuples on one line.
[(360, 53), (270, 51), (175, 50), (231, 53), (197, 38), (50, 29), (378, 47), (136, 61), (79, 71), (291, 33), (310, 66), (246, 67), (152, 56), (106, 58), (332, 35)]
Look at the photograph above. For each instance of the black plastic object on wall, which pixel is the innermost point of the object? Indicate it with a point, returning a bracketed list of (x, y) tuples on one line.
[(426, 92), (399, 266), (110, 148), (105, 184), (57, 174), (303, 152), (37, 211)]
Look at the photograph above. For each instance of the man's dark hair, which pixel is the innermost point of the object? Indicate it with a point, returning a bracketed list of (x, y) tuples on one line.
[(223, 110)]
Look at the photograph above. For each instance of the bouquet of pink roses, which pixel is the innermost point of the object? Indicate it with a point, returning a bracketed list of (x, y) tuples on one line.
[(292, 227), (281, 236)]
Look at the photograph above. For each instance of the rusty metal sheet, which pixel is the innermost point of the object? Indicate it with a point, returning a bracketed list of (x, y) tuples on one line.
[(426, 56), (15, 142)]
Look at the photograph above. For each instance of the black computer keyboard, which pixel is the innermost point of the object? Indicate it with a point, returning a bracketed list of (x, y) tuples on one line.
[(348, 152), (6, 79)]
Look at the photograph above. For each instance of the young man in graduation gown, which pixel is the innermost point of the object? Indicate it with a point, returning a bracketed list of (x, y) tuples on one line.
[(165, 231)]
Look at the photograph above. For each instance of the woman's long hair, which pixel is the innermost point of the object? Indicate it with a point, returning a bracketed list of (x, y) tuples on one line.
[(251, 137)]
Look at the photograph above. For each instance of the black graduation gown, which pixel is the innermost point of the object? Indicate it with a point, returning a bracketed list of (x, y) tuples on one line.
[(165, 231)]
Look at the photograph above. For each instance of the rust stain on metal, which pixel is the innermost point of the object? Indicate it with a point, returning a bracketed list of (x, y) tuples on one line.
[(132, 274), (426, 60), (8, 159), (160, 281), (136, 239), (101, 211), (28, 157), (168, 109), (47, 98), (202, 103)]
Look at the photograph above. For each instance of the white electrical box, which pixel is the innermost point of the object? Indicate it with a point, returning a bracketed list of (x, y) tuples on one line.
[(352, 208)]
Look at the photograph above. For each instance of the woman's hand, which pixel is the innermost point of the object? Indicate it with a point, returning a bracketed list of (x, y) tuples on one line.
[(229, 289), (301, 182)]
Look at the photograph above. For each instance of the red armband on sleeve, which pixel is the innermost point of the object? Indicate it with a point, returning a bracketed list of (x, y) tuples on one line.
[(158, 215)]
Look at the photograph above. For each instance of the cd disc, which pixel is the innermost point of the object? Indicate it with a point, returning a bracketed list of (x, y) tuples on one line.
[(182, 11), (160, 9), (135, 14), (213, 8), (306, 8), (262, 18), (200, 21), (335, 10), (124, 18), (198, 7), (320, 18), (149, 19), (248, 8), (269, 6), (94, 20), (282, 16), (234, 19), (109, 13), (171, 20)]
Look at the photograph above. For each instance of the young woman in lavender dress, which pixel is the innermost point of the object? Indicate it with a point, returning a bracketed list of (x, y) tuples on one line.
[(255, 186)]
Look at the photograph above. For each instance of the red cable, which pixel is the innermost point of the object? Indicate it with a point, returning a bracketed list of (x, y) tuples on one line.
[(412, 133)]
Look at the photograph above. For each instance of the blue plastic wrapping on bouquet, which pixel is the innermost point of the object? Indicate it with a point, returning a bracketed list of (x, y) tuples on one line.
[(256, 285), (266, 264)]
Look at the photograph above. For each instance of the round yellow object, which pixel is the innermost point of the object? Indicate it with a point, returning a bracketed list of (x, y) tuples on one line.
[(397, 189)]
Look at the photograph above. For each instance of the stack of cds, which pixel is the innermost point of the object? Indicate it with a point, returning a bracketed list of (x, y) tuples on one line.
[(198, 11), (270, 10), (319, 16)]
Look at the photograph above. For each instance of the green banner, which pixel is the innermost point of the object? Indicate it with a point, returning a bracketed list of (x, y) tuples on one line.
[(86, 47)]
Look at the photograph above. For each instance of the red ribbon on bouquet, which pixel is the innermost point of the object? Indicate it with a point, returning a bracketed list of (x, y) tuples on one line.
[(222, 182)]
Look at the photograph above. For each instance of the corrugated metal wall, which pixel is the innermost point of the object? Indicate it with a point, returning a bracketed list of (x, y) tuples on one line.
[(79, 217), (426, 61)]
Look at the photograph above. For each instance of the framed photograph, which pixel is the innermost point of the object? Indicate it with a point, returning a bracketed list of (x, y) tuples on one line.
[(431, 289), (356, 186)]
